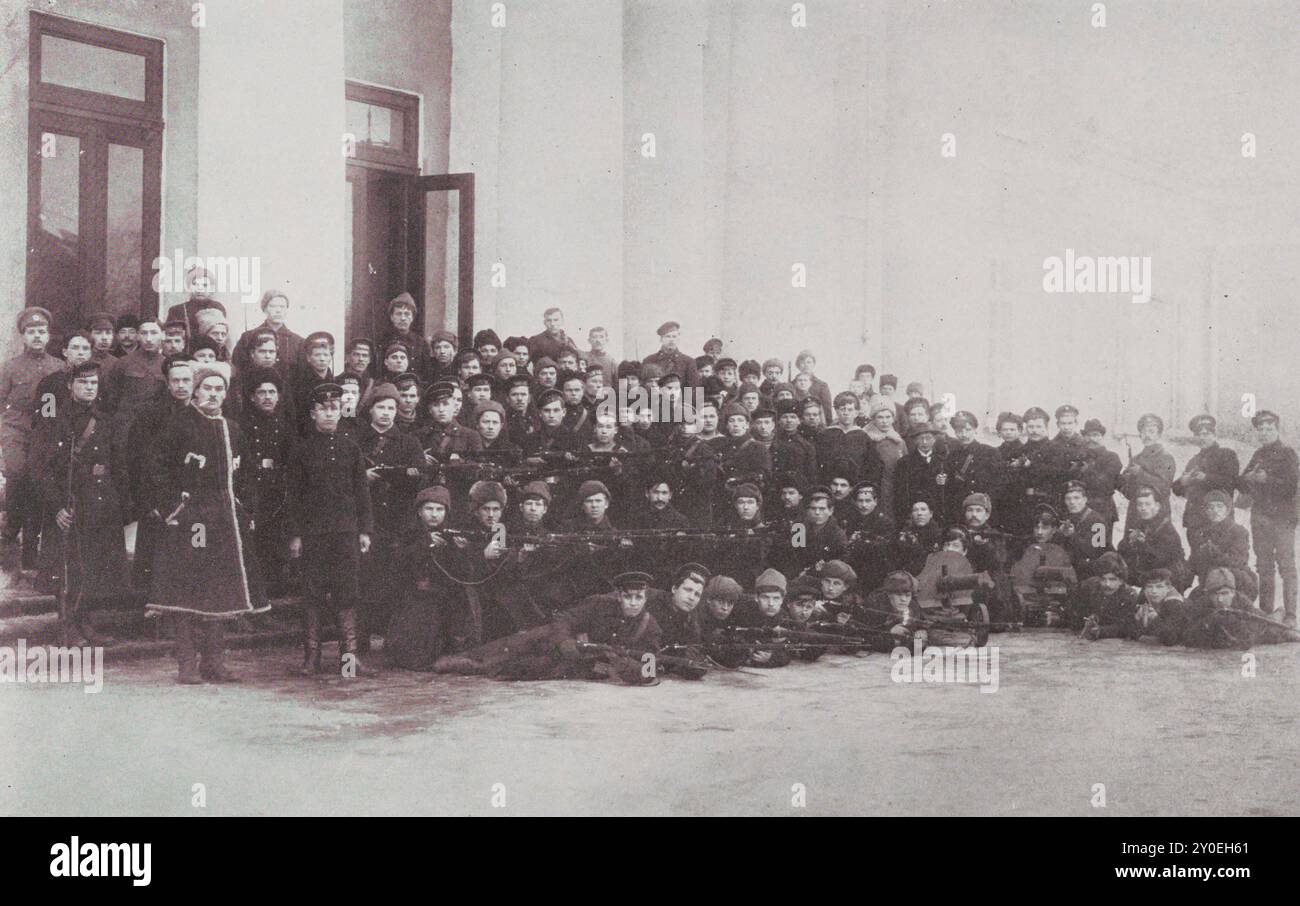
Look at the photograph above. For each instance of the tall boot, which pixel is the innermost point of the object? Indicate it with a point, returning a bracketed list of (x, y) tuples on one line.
[(348, 645), (214, 653), (187, 654), (311, 640)]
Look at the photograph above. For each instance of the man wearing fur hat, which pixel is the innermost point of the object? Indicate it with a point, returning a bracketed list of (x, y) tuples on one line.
[(330, 522), (204, 570)]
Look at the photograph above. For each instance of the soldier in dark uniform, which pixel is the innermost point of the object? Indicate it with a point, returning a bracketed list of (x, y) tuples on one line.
[(330, 524), (401, 320), (671, 359), (1213, 468), (288, 345), (1100, 475), (676, 610), (84, 490), (1152, 542), (306, 375), (200, 283), (1270, 479), (821, 536), (553, 341), (445, 440), (1105, 607), (1152, 468), (743, 557), (394, 463), (1071, 445), (917, 477), (522, 421), (552, 436), (870, 532), (987, 551), (1219, 542), (845, 440), (1084, 532), (270, 441), (971, 467)]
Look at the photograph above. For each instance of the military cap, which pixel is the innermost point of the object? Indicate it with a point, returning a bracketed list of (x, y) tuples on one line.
[(725, 362), (706, 359), (1079, 486), (513, 343), (899, 582), (404, 300), (548, 396), (397, 346), (979, 498), (889, 380), (722, 588), (406, 380), (1217, 496), (1034, 412), (539, 489), (1202, 421), (439, 390), (763, 411), (384, 391), (1218, 578), (480, 380), (34, 315), (128, 321), (1046, 514), (171, 361), (843, 397), (747, 490), (362, 341), (489, 406), (347, 377), (770, 579), (591, 488), (963, 418), (545, 362), (808, 404), (1094, 426), (257, 376), (440, 336), (1264, 417), (819, 490), (668, 327), (481, 492), (433, 494), (1066, 409), (804, 587), (487, 337), (784, 406), (1005, 417), (712, 343), (176, 324), (691, 570), (631, 581), (628, 368), (519, 380), (1110, 562), (212, 369), (321, 393), (1152, 576), (838, 569), (917, 387), (100, 320), (865, 486), (317, 338), (1151, 418), (733, 409), (923, 428), (90, 366)]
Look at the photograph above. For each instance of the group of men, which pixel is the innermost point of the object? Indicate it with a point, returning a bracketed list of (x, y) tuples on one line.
[(472, 507)]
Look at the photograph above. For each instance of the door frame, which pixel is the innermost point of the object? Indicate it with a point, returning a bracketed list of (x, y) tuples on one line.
[(463, 184)]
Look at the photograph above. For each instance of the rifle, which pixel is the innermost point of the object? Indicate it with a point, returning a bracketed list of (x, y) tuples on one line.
[(686, 664), (65, 585), (1287, 632), (782, 634)]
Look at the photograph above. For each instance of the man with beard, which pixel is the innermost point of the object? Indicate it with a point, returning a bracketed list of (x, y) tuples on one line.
[(972, 467), (394, 464), (270, 441), (1100, 475), (1152, 542), (83, 488), (1213, 468)]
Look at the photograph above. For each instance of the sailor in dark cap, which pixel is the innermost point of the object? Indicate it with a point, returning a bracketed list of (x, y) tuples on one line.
[(1152, 467), (445, 440), (270, 439), (1270, 478), (971, 466), (1101, 475), (103, 333), (1213, 467), (124, 338), (670, 358), (330, 522)]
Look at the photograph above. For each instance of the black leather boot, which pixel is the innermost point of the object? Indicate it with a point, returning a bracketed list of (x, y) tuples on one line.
[(311, 641)]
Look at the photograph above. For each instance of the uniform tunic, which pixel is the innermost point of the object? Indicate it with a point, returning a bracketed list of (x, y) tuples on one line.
[(18, 380)]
